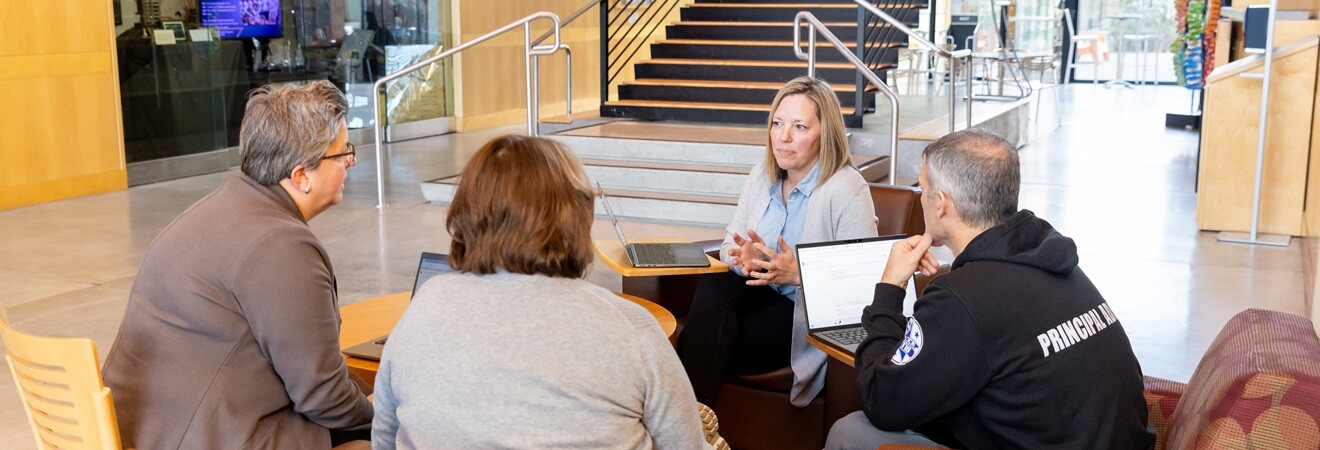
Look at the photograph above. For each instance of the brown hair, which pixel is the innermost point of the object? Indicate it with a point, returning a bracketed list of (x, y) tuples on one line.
[(524, 205), (833, 139)]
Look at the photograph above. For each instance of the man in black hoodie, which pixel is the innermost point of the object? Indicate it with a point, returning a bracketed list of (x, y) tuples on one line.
[(1013, 348)]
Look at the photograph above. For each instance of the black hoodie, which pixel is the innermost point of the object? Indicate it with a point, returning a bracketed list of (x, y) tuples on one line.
[(1013, 348)]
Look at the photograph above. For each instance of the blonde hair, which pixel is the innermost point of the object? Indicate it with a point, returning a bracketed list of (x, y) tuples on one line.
[(524, 205), (833, 139)]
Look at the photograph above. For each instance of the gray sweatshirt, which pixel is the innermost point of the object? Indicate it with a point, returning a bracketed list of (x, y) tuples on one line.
[(524, 361)]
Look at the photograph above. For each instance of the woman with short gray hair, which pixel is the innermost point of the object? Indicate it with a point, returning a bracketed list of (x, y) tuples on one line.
[(231, 335)]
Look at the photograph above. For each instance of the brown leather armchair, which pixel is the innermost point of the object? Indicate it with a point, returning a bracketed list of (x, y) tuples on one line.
[(754, 409)]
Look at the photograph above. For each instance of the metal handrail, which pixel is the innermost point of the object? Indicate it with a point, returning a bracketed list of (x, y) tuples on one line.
[(814, 27), (568, 56), (571, 17), (965, 55), (531, 51)]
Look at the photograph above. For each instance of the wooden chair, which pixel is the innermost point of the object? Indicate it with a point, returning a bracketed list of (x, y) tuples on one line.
[(59, 381)]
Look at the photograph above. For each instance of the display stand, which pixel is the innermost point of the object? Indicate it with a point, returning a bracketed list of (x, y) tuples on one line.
[(1191, 120), (1197, 28), (1254, 237)]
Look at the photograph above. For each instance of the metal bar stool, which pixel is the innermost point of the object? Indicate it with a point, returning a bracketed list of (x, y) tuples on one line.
[(1093, 43), (1145, 53)]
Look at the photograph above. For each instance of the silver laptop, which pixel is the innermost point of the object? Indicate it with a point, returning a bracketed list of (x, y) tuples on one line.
[(656, 255), (838, 280), (431, 264)]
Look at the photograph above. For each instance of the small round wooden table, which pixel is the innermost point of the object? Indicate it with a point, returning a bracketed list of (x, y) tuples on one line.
[(373, 318)]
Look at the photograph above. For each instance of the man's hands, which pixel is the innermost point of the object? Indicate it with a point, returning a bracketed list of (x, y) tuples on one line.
[(906, 257)]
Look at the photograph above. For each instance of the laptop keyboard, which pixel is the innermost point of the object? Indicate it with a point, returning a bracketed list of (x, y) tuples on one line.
[(848, 336), (654, 253)]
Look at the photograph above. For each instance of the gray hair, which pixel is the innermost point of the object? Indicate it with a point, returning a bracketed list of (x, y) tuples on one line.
[(979, 171), (286, 125)]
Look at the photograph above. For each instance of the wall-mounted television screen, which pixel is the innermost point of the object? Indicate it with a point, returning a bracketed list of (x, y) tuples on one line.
[(243, 18)]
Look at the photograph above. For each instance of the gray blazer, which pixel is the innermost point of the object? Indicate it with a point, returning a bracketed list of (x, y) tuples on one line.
[(231, 336), (840, 208)]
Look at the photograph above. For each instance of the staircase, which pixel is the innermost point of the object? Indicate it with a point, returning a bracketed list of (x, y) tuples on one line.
[(667, 172), (724, 60)]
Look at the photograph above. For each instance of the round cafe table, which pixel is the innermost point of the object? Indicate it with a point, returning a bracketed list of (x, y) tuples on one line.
[(373, 318)]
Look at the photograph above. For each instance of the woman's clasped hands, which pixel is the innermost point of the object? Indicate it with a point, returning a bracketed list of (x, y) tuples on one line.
[(762, 264)]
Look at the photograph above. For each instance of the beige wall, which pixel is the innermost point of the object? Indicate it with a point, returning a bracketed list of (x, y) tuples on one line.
[(60, 127), (488, 79)]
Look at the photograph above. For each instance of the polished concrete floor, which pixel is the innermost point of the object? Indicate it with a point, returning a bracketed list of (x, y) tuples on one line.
[(1111, 176)]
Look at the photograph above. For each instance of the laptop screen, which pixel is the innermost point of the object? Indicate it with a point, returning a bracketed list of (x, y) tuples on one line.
[(838, 278), (432, 264), (605, 201)]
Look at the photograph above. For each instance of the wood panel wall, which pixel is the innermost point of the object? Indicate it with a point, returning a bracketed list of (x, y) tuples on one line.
[(1229, 141), (60, 128), (488, 79), (1311, 211)]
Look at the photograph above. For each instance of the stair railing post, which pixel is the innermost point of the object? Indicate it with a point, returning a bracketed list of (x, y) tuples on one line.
[(953, 94), (859, 105), (811, 50), (604, 52), (967, 65), (530, 68), (568, 82)]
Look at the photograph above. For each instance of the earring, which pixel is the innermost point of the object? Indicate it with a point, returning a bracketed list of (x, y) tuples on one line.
[(307, 191)]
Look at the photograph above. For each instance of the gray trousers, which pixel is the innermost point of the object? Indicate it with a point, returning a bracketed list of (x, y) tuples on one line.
[(854, 432)]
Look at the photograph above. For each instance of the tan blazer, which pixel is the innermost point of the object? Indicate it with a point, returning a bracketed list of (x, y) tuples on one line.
[(231, 336)]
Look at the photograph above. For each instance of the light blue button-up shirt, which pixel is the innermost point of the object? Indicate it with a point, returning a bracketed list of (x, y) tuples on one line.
[(787, 218)]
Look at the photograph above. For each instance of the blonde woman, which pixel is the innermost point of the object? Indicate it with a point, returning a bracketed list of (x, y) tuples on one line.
[(751, 320)]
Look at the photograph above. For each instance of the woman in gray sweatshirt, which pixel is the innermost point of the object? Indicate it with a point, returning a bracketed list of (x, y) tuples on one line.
[(515, 350)]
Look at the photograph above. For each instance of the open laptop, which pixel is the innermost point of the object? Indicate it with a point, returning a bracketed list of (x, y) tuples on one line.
[(838, 280), (657, 255), (431, 264)]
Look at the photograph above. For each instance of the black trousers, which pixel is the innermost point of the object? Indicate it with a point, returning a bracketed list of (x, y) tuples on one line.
[(339, 437), (733, 328)]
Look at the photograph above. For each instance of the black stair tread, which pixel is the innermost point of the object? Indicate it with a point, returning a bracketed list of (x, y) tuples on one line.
[(784, 43), (796, 5), (774, 5), (701, 105), (729, 84), (713, 23), (736, 62)]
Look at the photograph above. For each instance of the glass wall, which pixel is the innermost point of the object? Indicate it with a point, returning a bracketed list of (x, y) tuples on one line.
[(186, 66), (1032, 23), (1148, 26)]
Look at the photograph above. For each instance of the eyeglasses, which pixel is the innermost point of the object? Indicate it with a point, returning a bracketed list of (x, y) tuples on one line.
[(351, 154)]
